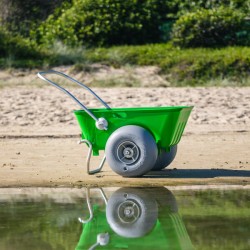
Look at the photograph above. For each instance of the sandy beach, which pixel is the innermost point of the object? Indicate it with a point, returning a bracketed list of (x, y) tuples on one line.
[(39, 134)]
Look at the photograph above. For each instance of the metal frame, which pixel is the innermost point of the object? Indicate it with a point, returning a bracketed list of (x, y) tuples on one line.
[(101, 123), (91, 215), (97, 170), (51, 72)]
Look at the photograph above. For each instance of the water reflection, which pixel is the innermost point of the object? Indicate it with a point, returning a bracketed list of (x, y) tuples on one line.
[(119, 218), (135, 218)]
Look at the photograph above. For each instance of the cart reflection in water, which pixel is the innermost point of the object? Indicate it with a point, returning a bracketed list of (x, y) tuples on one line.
[(134, 218)]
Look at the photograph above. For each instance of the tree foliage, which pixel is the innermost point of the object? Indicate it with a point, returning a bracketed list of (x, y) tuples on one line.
[(30, 24), (21, 16), (211, 28), (106, 22), (181, 7), (16, 46)]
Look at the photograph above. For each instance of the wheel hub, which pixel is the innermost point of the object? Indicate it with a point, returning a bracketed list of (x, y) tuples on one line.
[(129, 211), (128, 152)]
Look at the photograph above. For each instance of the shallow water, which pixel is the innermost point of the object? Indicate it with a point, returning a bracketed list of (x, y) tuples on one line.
[(124, 218)]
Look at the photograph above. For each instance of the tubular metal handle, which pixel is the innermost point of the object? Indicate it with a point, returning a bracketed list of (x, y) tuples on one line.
[(41, 76)]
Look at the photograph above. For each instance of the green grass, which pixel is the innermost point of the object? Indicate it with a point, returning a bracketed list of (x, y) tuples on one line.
[(229, 66), (183, 66)]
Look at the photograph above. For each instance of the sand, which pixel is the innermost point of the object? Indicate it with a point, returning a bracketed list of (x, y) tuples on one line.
[(45, 107), (38, 135)]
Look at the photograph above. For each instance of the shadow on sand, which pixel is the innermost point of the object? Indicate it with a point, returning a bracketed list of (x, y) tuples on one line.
[(197, 173)]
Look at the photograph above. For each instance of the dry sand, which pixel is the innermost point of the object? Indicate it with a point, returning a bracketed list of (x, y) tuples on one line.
[(38, 135)]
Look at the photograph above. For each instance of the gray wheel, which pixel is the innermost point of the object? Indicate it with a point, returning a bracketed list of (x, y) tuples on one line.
[(165, 199), (131, 151), (165, 158), (131, 212)]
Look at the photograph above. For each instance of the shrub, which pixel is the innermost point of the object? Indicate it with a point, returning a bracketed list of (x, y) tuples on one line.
[(105, 22), (180, 7), (20, 16), (16, 46), (211, 28)]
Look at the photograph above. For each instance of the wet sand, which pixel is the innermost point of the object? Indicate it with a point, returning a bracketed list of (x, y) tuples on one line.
[(61, 162)]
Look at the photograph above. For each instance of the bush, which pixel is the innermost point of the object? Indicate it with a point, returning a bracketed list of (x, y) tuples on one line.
[(20, 16), (211, 28), (105, 22), (16, 46), (180, 7)]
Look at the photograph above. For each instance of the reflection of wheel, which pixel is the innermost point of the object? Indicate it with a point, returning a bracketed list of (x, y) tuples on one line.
[(131, 212), (131, 151), (165, 199), (165, 158)]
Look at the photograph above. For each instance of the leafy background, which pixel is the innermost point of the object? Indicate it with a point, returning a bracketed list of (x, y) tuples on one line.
[(191, 41)]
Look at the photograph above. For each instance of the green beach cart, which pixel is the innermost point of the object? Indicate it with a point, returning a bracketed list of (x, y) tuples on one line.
[(136, 140)]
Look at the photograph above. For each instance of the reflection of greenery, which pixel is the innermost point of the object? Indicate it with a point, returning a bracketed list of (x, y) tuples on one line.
[(227, 204), (41, 225), (213, 233), (216, 219)]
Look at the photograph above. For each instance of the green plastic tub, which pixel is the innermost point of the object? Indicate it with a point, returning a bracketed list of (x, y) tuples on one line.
[(166, 124)]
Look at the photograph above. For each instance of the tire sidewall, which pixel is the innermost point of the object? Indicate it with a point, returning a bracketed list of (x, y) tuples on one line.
[(164, 159), (147, 151), (148, 212)]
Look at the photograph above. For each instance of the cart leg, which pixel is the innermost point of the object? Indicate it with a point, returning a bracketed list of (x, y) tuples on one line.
[(89, 208), (97, 170), (91, 215)]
